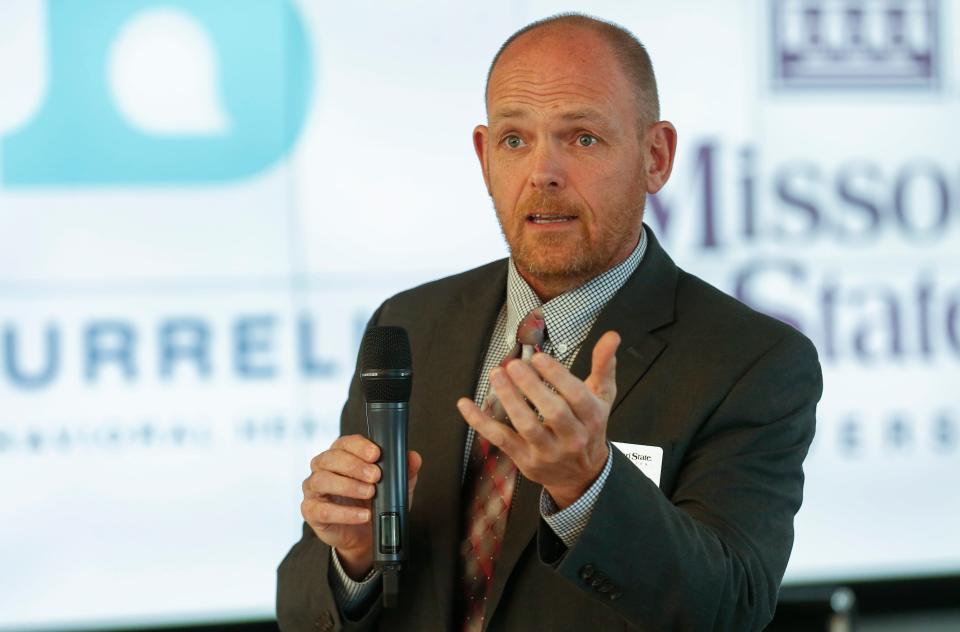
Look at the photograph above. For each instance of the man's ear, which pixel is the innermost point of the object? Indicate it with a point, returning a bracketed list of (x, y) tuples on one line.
[(660, 145), (480, 133)]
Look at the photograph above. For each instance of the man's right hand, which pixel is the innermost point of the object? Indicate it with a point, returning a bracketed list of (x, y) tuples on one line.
[(337, 499)]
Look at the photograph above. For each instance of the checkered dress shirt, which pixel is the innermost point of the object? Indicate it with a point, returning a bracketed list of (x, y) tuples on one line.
[(569, 318)]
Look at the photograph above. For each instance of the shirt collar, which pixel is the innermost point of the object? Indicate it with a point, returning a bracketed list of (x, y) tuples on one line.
[(569, 316)]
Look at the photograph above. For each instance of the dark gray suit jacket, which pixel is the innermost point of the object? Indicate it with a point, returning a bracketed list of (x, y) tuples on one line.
[(728, 393)]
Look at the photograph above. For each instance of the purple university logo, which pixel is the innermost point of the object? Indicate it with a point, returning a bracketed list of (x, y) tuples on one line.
[(856, 43)]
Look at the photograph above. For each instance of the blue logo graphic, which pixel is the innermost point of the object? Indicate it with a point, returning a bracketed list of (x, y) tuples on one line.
[(80, 136), (856, 43)]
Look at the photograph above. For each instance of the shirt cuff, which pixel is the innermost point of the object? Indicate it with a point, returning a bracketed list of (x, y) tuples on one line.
[(351, 595), (569, 523)]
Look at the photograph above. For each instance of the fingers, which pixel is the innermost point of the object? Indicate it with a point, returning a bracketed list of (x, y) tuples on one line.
[(523, 418), (327, 483), (567, 450), (337, 495), (493, 431), (414, 463), (322, 514), (342, 458), (342, 473), (358, 445), (575, 395), (603, 373), (600, 384), (547, 401)]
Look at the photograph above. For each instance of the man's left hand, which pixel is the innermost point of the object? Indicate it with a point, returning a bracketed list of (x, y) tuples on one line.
[(567, 450)]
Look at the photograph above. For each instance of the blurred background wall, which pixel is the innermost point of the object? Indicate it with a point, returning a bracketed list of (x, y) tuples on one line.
[(202, 201)]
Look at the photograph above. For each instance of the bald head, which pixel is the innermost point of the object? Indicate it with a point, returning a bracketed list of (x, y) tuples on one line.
[(626, 48)]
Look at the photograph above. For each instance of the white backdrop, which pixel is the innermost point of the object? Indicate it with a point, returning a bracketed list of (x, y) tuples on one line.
[(202, 202)]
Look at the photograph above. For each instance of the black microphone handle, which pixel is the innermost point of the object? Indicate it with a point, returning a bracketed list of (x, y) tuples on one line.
[(387, 427)]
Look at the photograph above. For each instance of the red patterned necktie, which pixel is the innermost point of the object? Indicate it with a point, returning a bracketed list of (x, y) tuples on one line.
[(488, 492)]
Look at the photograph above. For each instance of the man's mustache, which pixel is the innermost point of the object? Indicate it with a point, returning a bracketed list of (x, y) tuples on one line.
[(540, 204)]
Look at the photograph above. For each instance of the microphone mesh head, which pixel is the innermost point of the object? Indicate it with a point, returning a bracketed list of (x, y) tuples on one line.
[(385, 349)]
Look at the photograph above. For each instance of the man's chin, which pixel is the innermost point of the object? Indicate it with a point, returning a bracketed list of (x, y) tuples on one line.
[(552, 258), (551, 266)]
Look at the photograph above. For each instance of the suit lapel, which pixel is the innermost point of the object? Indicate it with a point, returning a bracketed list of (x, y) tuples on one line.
[(460, 340), (644, 304)]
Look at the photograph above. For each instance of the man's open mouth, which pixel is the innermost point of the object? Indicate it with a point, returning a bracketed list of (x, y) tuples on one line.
[(544, 218)]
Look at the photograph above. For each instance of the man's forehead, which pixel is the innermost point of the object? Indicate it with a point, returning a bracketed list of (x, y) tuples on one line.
[(557, 91), (555, 59), (511, 111), (574, 39), (559, 40)]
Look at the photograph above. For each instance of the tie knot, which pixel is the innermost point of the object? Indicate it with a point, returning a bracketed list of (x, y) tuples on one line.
[(532, 329)]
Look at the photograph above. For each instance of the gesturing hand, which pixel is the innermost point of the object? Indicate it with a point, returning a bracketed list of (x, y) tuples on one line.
[(337, 498), (567, 451)]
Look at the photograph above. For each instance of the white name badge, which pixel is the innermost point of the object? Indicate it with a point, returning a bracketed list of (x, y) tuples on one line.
[(649, 458)]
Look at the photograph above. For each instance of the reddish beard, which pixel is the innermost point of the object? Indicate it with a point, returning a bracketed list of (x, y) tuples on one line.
[(548, 255), (566, 258)]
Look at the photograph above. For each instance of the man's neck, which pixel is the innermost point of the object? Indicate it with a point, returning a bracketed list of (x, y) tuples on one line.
[(551, 287)]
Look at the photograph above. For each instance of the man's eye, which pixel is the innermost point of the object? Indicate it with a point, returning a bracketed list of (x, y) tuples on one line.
[(513, 141), (586, 140)]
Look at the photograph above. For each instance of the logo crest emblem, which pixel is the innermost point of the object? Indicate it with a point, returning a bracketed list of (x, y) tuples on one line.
[(824, 44)]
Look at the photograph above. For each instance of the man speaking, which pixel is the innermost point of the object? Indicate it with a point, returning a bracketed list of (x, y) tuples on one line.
[(641, 470)]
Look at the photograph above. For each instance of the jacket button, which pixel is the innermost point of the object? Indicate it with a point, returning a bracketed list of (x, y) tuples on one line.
[(614, 595), (586, 572), (606, 587), (597, 580)]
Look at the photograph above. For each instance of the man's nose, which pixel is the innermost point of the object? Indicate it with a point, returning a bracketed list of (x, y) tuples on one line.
[(548, 173)]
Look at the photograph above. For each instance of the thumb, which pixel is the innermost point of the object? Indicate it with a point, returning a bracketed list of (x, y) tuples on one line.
[(414, 461), (603, 372)]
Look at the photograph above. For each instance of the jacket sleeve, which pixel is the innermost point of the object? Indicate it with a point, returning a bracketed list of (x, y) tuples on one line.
[(305, 595), (712, 556)]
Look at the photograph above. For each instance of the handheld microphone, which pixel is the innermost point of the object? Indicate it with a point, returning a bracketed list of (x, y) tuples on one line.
[(386, 375)]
